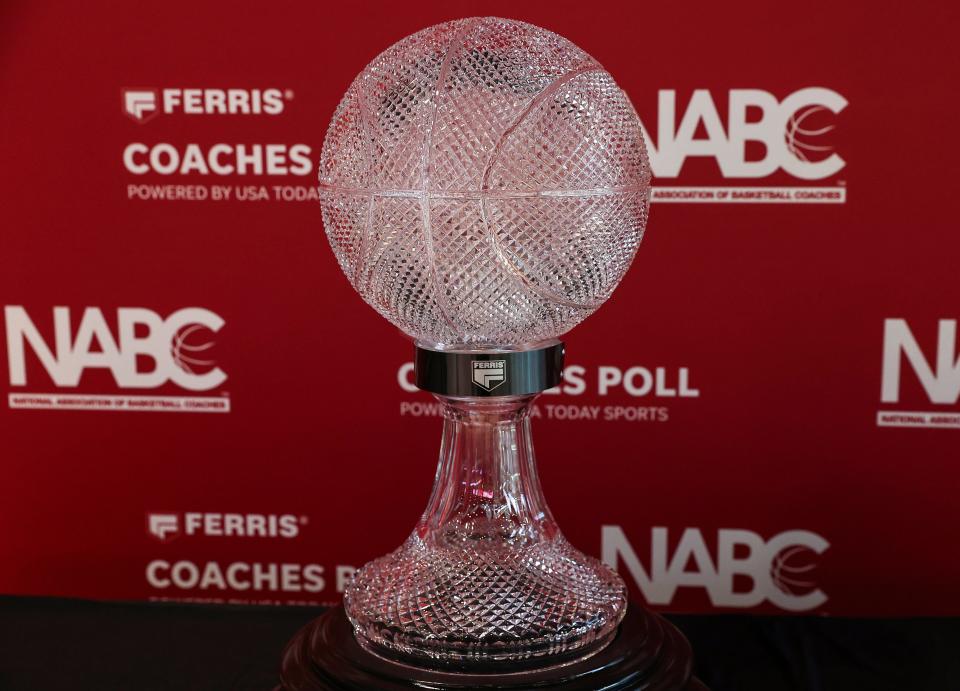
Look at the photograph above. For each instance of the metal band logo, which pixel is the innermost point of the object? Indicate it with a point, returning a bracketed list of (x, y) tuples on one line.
[(489, 374)]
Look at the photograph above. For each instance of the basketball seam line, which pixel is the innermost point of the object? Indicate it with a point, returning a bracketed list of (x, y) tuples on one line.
[(513, 270), (456, 43)]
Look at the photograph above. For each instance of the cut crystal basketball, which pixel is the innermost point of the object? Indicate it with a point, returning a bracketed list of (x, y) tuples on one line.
[(484, 182)]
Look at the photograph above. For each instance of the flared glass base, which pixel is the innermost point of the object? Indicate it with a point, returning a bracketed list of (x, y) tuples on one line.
[(486, 577), (499, 605)]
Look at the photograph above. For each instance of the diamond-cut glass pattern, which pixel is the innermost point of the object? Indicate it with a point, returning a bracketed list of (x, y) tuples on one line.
[(457, 605), (486, 576), (484, 182)]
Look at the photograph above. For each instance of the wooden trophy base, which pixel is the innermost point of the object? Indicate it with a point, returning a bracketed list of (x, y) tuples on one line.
[(647, 654)]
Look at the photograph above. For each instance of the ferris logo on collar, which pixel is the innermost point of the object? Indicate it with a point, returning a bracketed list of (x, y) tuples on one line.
[(168, 526), (489, 374), (938, 377), (780, 569), (144, 104)]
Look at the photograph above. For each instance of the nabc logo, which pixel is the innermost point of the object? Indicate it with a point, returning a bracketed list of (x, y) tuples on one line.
[(787, 129), (939, 377), (141, 333), (940, 382), (779, 569)]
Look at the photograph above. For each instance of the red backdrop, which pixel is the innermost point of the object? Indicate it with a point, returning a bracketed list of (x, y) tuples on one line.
[(764, 416)]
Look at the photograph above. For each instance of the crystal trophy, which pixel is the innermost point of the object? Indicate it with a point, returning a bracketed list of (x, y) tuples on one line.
[(485, 186)]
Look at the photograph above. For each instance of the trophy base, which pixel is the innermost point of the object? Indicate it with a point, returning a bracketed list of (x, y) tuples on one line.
[(647, 654)]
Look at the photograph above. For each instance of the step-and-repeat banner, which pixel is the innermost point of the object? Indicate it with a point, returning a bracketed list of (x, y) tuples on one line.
[(197, 406)]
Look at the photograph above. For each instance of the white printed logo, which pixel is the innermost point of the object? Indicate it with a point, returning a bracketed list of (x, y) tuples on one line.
[(163, 526), (780, 569), (140, 104), (489, 374), (790, 133), (222, 159), (217, 159), (147, 352), (167, 526), (940, 382), (235, 576)]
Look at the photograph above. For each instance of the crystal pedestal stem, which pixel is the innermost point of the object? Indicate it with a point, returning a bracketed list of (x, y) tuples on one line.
[(486, 578), (487, 492)]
